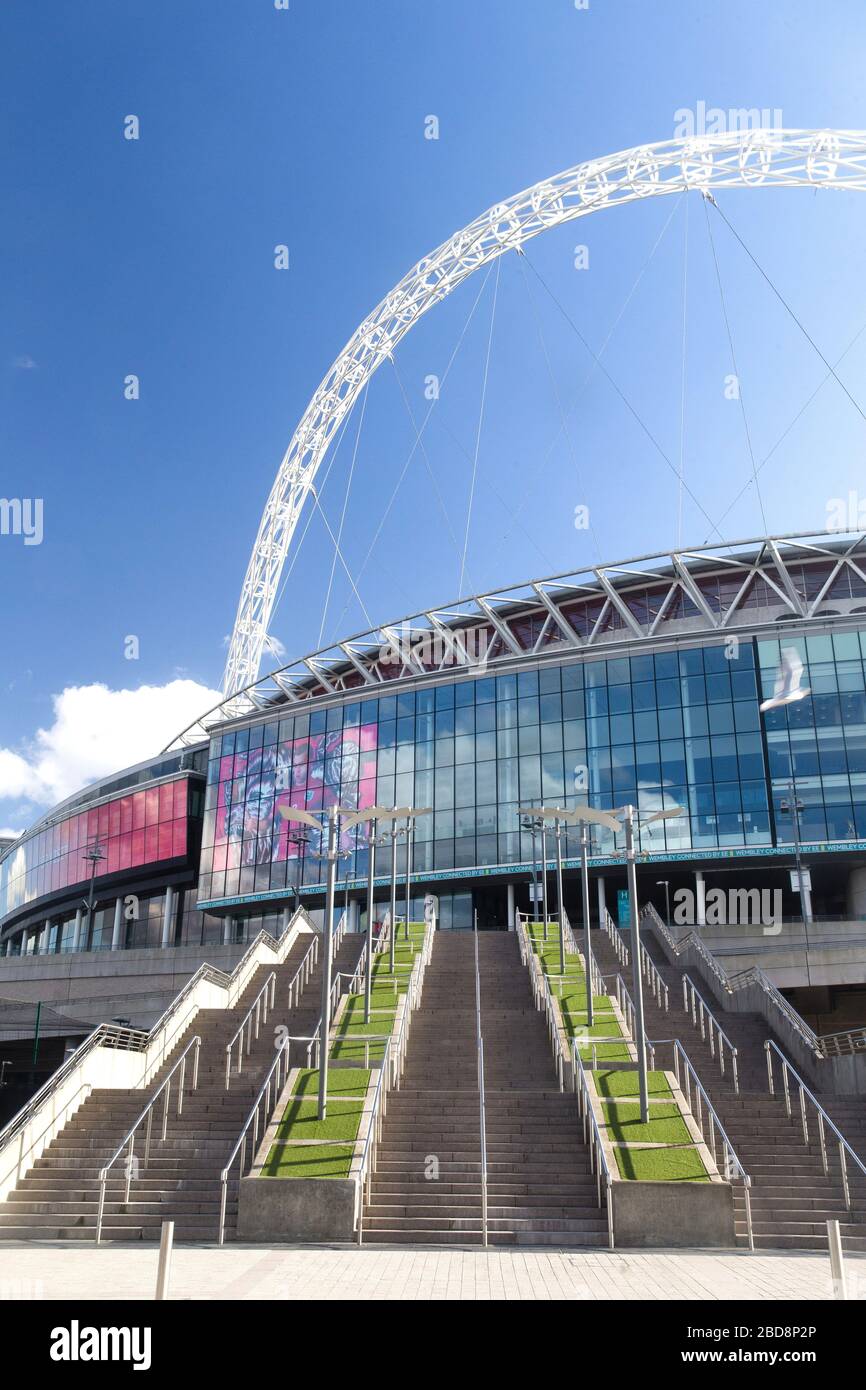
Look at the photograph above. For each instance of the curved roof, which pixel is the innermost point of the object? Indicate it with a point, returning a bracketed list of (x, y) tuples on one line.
[(696, 593)]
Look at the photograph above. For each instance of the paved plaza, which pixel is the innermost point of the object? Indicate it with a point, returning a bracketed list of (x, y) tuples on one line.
[(67, 1271)]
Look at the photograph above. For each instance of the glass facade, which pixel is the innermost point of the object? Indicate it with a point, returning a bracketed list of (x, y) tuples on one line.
[(134, 829), (679, 727), (820, 742)]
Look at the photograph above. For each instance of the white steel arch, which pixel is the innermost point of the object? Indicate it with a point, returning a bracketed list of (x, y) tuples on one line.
[(740, 159)]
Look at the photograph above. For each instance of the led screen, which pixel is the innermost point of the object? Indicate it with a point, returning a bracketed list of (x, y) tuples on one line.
[(140, 827)]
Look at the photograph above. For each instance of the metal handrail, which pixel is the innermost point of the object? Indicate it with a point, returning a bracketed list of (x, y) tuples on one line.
[(128, 1141), (103, 1035), (592, 1137), (657, 985), (824, 1120), (131, 1039), (389, 1072), (259, 1007), (741, 980), (843, 1044), (543, 1000), (301, 977), (280, 1061), (710, 1030), (703, 1111), (615, 937), (479, 1045)]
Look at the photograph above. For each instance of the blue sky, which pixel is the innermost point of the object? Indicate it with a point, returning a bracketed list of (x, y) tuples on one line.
[(306, 127)]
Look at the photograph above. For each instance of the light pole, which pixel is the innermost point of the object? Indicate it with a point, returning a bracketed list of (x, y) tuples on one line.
[(584, 878), (532, 826), (95, 855), (410, 828), (792, 805), (558, 833), (665, 883), (350, 818), (544, 873), (372, 842), (630, 814)]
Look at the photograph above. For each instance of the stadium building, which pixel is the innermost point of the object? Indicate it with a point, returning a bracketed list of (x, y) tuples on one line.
[(639, 682), (180, 909)]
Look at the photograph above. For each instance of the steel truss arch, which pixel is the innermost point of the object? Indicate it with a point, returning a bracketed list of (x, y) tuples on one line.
[(740, 159)]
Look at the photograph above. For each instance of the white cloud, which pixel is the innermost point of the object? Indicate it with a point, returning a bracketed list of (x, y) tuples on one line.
[(7, 834), (97, 731)]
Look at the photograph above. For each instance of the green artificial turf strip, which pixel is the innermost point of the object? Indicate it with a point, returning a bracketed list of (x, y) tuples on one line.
[(342, 1081), (625, 1083), (665, 1125), (301, 1120), (609, 1052), (598, 1015), (661, 1165), (356, 1027), (606, 1028), (349, 1050), (381, 1002), (309, 1161)]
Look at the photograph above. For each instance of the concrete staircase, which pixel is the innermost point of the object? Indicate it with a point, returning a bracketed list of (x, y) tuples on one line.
[(427, 1183), (58, 1198), (792, 1200)]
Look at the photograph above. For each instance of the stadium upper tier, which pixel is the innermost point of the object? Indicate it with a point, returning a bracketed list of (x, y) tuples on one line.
[(741, 586)]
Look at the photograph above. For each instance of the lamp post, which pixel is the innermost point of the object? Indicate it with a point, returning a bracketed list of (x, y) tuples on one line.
[(544, 873), (558, 833), (332, 854), (630, 815), (792, 805), (532, 825), (95, 856), (666, 884), (584, 879), (410, 830)]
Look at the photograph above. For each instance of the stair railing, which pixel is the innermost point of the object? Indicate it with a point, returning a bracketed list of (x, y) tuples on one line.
[(704, 1114), (479, 1047), (626, 1007), (390, 1073), (592, 1137), (127, 1144), (710, 1031), (729, 984), (658, 988), (260, 1114), (615, 937), (790, 1078), (543, 999), (256, 1015), (302, 975), (843, 1044)]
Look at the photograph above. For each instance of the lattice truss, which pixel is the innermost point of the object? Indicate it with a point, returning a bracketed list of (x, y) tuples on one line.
[(832, 159), (692, 595)]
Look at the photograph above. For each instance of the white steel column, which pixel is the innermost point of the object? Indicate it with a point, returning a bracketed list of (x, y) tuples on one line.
[(76, 931), (511, 907), (286, 918), (118, 924), (227, 931), (167, 916), (701, 898), (602, 901)]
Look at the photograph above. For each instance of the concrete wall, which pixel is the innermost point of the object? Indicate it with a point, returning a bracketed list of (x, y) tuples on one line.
[(96, 986), (793, 955), (672, 1215), (281, 1210)]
